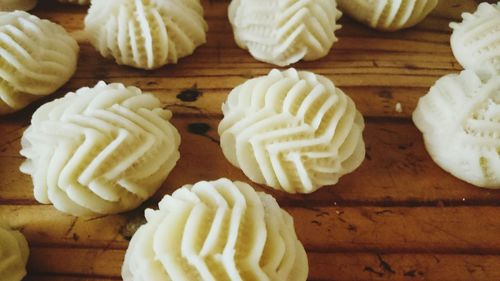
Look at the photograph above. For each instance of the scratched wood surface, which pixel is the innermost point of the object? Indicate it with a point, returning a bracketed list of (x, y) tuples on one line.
[(398, 217)]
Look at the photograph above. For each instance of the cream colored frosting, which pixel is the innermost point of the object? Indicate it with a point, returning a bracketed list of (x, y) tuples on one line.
[(100, 150), (78, 2), (36, 58), (460, 121), (14, 254), (293, 131), (388, 15), (217, 230), (12, 5), (476, 40), (284, 32), (146, 33)]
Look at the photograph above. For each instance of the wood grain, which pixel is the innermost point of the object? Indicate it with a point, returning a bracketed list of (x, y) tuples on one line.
[(330, 266), (458, 230), (398, 217)]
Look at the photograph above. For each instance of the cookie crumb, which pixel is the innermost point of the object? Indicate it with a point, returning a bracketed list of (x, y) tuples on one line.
[(399, 108)]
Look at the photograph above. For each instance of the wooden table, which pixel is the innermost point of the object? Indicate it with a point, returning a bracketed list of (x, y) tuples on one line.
[(397, 217)]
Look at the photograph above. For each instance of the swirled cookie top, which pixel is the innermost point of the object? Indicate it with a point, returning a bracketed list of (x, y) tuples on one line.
[(146, 33)]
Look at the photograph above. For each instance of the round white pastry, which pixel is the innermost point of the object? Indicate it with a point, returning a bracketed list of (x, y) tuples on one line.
[(77, 2), (12, 5), (36, 58), (460, 121), (388, 15), (146, 33), (217, 230), (476, 40), (100, 150), (284, 32), (14, 254), (293, 131)]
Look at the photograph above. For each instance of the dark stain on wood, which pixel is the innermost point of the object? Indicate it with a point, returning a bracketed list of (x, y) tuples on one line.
[(385, 93), (190, 95), (383, 212), (405, 146), (371, 270), (318, 223), (199, 128), (202, 129), (342, 219), (413, 273), (411, 66), (384, 265), (70, 228), (402, 147), (413, 163), (352, 228), (322, 214), (128, 230)]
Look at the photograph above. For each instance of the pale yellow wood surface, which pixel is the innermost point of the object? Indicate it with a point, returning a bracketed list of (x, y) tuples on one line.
[(397, 217)]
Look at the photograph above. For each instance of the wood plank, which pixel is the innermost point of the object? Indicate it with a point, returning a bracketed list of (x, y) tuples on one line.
[(44, 225), (397, 170), (374, 266), (375, 90), (87, 263), (459, 230), (386, 65), (375, 99)]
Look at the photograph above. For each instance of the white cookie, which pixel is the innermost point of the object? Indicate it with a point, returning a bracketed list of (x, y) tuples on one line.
[(217, 230), (284, 32), (293, 131), (476, 40), (146, 33), (14, 254), (100, 150), (22, 5), (460, 121), (388, 15), (36, 58)]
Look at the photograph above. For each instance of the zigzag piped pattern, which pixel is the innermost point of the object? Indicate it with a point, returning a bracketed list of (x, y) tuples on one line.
[(218, 230), (36, 58), (388, 14), (460, 120), (292, 130), (146, 33), (476, 40), (14, 254), (284, 32), (100, 150)]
